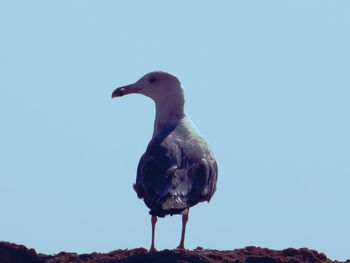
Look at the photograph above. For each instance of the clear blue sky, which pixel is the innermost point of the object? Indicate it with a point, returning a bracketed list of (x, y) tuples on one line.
[(266, 82)]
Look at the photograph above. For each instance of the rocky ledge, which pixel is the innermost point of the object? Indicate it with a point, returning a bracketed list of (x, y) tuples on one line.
[(13, 253)]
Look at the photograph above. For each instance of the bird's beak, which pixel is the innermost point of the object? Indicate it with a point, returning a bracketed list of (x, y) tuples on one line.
[(119, 92)]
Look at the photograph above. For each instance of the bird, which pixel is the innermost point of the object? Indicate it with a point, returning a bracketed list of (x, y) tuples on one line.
[(178, 169)]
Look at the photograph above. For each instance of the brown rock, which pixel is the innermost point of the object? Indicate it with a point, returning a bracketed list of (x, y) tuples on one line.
[(12, 253)]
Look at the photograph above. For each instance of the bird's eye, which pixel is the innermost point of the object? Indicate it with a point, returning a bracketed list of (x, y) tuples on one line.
[(152, 80)]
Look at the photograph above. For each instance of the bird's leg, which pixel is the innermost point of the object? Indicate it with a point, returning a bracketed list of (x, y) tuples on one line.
[(184, 222), (154, 221)]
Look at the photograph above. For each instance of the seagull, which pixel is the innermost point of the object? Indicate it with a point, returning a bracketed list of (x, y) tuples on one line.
[(178, 169)]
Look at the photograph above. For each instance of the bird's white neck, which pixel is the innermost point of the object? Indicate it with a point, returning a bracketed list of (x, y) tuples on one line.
[(168, 112)]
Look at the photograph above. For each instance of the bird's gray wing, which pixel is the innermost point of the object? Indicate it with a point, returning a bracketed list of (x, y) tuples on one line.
[(199, 168), (176, 171)]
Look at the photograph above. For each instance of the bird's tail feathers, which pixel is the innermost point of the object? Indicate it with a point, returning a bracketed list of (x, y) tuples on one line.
[(174, 202), (175, 197)]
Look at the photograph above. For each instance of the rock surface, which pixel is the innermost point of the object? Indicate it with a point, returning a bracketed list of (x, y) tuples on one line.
[(12, 253)]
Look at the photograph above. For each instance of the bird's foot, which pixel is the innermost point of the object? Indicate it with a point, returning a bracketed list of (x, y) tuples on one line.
[(181, 247), (152, 249)]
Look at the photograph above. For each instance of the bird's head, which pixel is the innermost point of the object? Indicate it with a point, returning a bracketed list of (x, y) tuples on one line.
[(156, 85)]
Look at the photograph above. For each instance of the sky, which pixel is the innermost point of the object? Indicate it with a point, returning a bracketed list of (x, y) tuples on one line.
[(267, 84)]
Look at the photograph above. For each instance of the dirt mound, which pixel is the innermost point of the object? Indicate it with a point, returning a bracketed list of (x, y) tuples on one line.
[(12, 253)]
